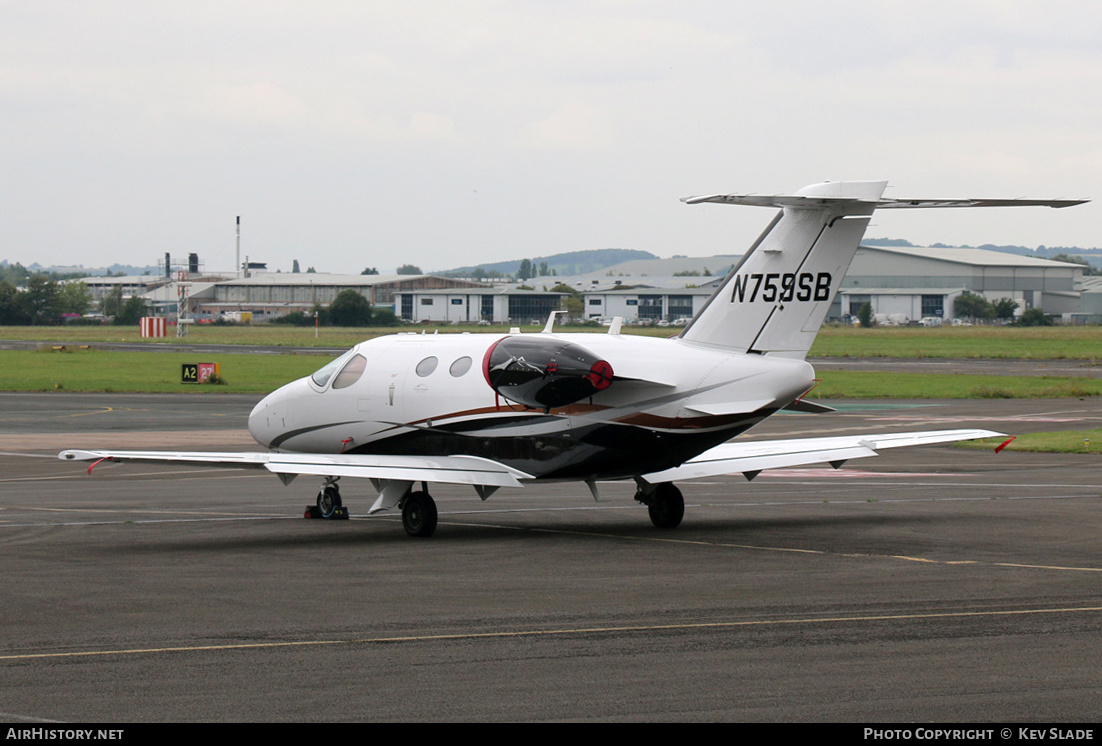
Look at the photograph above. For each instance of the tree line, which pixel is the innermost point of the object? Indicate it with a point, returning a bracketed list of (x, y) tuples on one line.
[(349, 308), (46, 301), (974, 306)]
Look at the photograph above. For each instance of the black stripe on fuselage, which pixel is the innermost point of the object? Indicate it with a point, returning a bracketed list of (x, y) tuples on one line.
[(284, 437), (605, 450)]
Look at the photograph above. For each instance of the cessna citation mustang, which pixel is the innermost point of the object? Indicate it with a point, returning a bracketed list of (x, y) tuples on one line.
[(493, 410)]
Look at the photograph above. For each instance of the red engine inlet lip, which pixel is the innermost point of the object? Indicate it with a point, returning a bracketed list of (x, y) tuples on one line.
[(486, 361), (600, 375)]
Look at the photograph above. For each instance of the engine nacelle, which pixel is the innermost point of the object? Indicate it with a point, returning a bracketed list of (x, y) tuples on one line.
[(544, 372)]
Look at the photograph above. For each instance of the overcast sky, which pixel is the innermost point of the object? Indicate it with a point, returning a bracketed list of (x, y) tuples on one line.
[(354, 134)]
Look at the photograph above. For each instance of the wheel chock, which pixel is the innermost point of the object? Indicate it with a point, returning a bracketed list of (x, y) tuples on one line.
[(339, 514)]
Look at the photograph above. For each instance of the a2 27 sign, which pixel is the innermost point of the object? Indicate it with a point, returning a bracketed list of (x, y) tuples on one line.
[(199, 372), (783, 287)]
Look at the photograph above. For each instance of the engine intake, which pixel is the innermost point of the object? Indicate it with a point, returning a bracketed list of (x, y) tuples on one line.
[(544, 372)]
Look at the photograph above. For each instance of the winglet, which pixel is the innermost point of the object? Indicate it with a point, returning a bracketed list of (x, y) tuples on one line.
[(1005, 443), (97, 463)]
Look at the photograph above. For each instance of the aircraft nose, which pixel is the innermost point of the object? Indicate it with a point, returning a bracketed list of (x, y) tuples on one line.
[(269, 418), (258, 423)]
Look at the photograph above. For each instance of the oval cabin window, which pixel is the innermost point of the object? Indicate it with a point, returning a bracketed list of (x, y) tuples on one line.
[(426, 366), (460, 367)]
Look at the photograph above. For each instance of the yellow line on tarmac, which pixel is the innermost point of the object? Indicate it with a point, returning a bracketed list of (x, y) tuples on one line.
[(793, 550), (102, 410), (547, 633)]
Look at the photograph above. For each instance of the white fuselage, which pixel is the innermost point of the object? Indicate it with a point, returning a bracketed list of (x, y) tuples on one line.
[(429, 394)]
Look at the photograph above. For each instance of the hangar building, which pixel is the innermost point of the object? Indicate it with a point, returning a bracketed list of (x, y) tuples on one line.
[(923, 282)]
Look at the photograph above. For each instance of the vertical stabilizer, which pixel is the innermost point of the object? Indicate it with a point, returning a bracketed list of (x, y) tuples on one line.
[(775, 299)]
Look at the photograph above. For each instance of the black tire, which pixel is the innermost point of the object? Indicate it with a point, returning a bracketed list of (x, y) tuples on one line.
[(419, 514), (329, 499), (667, 507)]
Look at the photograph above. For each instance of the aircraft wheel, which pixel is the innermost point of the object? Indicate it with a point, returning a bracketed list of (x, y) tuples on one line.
[(667, 507), (419, 514), (329, 499)]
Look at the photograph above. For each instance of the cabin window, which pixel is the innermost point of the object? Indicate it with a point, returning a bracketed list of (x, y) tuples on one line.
[(350, 373), (460, 367), (426, 366)]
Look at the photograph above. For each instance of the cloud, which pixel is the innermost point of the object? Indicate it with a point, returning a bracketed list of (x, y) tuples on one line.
[(572, 126)]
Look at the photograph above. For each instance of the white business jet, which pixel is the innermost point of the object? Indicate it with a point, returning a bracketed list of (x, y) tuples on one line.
[(510, 410)]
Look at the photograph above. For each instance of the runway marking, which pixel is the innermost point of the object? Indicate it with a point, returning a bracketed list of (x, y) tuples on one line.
[(855, 473), (216, 515), (103, 410), (821, 552), (931, 418), (487, 511), (205, 474), (545, 633)]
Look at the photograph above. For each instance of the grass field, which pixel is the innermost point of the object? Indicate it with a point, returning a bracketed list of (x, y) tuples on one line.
[(1032, 343), (149, 372), (864, 385), (269, 334), (75, 369), (78, 369)]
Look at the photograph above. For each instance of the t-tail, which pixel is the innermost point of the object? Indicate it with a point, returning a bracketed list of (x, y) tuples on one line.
[(776, 298)]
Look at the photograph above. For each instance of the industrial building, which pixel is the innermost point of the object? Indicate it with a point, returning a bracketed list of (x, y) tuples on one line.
[(268, 295), (923, 282), (471, 305), (904, 284)]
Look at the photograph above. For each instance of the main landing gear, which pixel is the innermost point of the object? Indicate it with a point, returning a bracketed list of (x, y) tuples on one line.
[(664, 503), (419, 516), (418, 513)]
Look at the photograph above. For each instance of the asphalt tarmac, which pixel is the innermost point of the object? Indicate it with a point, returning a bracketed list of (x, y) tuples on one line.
[(929, 584)]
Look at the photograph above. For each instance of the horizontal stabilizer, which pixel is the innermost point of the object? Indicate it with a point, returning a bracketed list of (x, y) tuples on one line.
[(754, 456), (729, 407), (809, 407), (840, 202), (891, 204)]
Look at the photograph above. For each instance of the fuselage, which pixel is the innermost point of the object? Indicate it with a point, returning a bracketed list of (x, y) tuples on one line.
[(420, 394)]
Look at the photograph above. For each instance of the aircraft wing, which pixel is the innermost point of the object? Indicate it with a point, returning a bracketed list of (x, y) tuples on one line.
[(755, 456), (445, 469), (748, 458)]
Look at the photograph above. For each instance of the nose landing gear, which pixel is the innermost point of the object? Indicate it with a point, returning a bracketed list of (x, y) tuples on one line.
[(328, 504)]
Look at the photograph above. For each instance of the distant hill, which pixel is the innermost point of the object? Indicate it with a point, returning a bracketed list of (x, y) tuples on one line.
[(566, 264), (1092, 256)]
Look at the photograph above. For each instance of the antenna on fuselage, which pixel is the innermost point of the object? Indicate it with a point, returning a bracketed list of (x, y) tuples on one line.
[(550, 322)]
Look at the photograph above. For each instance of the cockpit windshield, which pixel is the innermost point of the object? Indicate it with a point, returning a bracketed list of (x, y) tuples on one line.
[(323, 374), (350, 373)]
